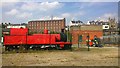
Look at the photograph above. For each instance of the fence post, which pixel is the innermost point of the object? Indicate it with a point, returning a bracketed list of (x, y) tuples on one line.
[(78, 41)]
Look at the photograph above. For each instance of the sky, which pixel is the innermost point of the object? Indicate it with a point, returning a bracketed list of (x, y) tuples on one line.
[(22, 12)]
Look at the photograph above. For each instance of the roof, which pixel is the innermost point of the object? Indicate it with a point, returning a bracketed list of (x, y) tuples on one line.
[(47, 20), (84, 25), (16, 25), (87, 27)]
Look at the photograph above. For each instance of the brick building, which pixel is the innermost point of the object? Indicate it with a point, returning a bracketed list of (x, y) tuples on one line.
[(111, 23), (53, 25), (84, 30), (113, 27)]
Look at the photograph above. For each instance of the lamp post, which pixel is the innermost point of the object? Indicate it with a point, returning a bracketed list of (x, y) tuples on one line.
[(67, 31)]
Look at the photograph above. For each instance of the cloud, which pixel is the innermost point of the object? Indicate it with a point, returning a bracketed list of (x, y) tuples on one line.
[(12, 12), (49, 18), (91, 4), (98, 0), (105, 16), (60, 0), (18, 14), (24, 15), (57, 18), (24, 11), (66, 15), (44, 18), (10, 0), (8, 5), (43, 6), (73, 15)]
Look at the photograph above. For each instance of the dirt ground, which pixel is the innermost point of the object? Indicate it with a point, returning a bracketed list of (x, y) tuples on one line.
[(0, 55), (105, 56)]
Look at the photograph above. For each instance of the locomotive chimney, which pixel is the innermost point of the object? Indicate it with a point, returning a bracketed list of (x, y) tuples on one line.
[(45, 31)]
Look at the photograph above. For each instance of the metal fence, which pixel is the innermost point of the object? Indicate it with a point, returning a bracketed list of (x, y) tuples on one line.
[(111, 39)]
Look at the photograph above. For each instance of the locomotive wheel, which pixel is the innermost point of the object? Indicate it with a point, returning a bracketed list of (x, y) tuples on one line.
[(38, 47), (16, 48), (21, 47), (57, 47), (26, 47), (6, 48), (10, 48), (70, 46), (66, 47)]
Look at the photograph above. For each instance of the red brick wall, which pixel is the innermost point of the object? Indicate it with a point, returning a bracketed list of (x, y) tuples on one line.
[(52, 25), (84, 34)]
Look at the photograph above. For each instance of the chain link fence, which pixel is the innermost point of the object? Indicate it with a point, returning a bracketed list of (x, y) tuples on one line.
[(111, 39)]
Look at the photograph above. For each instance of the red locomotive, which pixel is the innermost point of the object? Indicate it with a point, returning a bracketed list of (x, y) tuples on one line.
[(19, 37)]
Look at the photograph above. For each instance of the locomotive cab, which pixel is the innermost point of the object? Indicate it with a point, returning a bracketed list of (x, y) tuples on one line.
[(63, 36)]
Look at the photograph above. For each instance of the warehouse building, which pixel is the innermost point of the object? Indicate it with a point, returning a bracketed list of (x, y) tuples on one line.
[(83, 31), (54, 25)]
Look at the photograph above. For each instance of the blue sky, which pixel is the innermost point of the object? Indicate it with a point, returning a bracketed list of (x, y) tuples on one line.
[(22, 12)]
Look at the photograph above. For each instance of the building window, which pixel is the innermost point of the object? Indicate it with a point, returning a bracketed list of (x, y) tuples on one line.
[(48, 25), (36, 24), (40, 24)]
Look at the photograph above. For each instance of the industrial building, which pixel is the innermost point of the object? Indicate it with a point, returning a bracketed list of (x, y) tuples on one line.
[(54, 25), (84, 31)]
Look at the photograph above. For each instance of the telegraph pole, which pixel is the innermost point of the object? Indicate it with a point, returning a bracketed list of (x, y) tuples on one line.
[(88, 43), (79, 35)]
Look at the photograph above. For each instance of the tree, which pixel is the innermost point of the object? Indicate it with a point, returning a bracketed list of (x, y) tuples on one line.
[(9, 23), (3, 25)]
